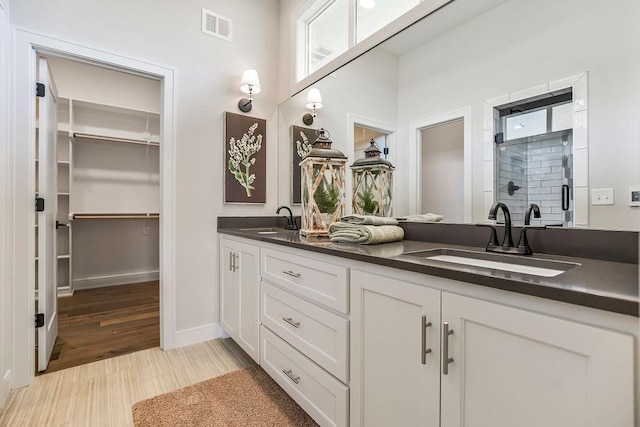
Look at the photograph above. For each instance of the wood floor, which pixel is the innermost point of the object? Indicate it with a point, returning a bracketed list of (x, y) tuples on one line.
[(97, 324), (102, 393)]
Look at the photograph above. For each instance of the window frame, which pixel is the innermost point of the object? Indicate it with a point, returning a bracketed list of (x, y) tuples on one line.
[(299, 46)]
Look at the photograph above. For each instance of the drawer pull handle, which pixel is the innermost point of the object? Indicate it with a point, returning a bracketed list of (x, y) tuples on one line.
[(292, 274), (445, 348), (424, 351), (290, 321), (293, 378)]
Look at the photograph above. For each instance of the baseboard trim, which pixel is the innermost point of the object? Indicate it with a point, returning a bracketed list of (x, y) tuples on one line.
[(197, 334), (115, 280)]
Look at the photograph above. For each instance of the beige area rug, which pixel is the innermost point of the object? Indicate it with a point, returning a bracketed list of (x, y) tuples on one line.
[(247, 397)]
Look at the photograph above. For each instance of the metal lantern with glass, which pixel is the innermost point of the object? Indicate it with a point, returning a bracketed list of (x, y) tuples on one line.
[(323, 195), (372, 183)]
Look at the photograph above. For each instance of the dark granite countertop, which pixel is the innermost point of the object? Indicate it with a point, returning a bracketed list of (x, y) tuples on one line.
[(601, 284)]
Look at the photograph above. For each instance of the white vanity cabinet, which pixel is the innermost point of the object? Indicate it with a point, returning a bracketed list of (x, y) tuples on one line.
[(498, 366), (395, 352), (240, 294), (513, 367), (305, 330)]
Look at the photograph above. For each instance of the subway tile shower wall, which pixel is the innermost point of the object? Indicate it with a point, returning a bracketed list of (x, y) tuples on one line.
[(539, 168)]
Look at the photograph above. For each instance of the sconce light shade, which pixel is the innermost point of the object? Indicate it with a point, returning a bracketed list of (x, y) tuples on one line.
[(250, 84), (314, 103), (314, 99)]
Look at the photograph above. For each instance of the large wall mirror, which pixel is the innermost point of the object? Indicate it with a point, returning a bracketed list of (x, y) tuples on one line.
[(492, 100)]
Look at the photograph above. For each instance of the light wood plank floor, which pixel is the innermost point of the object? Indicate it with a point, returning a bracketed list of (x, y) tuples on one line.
[(96, 324), (102, 393)]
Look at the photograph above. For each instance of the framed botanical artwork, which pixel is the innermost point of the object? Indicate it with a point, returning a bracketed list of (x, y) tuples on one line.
[(245, 159), (301, 141)]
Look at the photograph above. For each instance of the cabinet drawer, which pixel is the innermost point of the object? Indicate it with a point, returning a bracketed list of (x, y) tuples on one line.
[(323, 397), (319, 334), (319, 281)]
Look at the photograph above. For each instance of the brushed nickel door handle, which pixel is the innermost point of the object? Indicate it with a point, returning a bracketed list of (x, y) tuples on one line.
[(231, 261), (424, 351), (445, 348), (290, 321), (292, 377)]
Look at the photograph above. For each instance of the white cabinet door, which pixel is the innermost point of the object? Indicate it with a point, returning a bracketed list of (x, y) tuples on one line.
[(393, 381), (240, 294), (513, 367)]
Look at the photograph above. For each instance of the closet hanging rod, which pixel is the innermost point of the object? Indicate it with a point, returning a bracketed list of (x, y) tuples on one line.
[(116, 216), (114, 139)]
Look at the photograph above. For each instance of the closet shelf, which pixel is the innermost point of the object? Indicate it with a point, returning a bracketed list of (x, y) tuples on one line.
[(115, 215), (114, 139)]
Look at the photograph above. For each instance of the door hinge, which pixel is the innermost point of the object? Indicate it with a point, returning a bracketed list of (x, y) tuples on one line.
[(498, 138), (40, 90), (39, 204), (39, 320)]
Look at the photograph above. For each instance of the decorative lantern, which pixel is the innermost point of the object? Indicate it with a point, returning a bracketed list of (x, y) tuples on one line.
[(323, 172), (372, 183)]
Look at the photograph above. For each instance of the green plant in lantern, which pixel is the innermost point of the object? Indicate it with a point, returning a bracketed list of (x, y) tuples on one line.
[(327, 197), (367, 202)]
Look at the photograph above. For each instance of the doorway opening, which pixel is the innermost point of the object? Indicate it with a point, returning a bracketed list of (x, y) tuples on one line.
[(97, 253), (442, 170)]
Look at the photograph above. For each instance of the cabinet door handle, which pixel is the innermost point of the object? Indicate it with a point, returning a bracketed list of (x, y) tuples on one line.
[(424, 351), (292, 274), (445, 348), (235, 260), (293, 378), (290, 321), (231, 261)]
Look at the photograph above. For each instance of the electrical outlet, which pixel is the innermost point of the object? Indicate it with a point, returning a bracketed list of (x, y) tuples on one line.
[(145, 227), (602, 196), (634, 196)]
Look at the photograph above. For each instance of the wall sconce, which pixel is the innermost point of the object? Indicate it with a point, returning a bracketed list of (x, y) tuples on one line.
[(314, 103), (250, 85)]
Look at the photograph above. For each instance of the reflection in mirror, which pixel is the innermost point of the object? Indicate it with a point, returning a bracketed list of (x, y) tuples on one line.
[(478, 62)]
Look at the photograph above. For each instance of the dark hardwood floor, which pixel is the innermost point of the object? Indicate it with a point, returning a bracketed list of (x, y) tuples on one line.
[(96, 324)]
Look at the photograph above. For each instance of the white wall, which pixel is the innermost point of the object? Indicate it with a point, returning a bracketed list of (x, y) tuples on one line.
[(521, 44), (6, 292), (208, 72), (443, 170), (86, 82), (367, 86), (286, 45)]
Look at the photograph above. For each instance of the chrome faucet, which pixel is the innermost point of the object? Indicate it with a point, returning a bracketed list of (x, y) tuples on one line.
[(291, 222)]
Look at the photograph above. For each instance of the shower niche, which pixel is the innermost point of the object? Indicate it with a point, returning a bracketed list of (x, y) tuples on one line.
[(534, 159)]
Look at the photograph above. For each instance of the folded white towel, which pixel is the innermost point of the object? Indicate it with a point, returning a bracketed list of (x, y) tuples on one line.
[(369, 220), (428, 217), (342, 232)]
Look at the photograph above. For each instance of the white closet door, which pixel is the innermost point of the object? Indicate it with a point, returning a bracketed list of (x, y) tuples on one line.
[(47, 189)]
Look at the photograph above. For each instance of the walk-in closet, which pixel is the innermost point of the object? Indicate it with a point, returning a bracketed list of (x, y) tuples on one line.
[(97, 230)]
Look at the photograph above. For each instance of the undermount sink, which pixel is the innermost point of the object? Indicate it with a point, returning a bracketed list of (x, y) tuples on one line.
[(492, 261), (264, 230)]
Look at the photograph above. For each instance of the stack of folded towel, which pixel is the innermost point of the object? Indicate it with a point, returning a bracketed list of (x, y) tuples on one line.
[(365, 230), (428, 217)]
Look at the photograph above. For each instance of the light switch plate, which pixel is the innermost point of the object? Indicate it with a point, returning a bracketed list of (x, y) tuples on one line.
[(602, 196), (634, 196)]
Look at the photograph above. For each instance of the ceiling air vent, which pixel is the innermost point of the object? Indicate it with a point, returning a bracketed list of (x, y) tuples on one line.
[(216, 25)]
